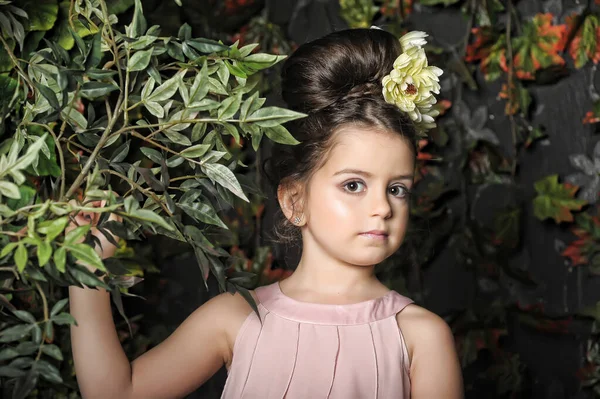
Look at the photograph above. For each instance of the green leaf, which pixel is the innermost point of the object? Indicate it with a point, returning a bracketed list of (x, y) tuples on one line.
[(86, 254), (250, 105), (176, 137), (121, 152), (64, 319), (203, 212), (148, 87), (8, 353), (27, 194), (58, 306), (41, 14), (48, 94), (280, 134), (76, 233), (206, 46), (24, 316), (9, 190), (139, 60), (199, 88), (94, 90), (216, 87), (261, 61), (16, 333), (165, 90), (229, 107), (31, 154), (60, 258), (138, 24), (52, 351), (44, 252), (52, 228), (21, 257), (273, 116), (152, 154), (155, 109), (149, 216), (8, 249), (225, 177), (195, 151), (555, 200), (11, 372), (48, 372), (142, 42)]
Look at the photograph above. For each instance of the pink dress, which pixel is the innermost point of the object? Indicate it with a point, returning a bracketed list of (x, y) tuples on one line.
[(308, 350)]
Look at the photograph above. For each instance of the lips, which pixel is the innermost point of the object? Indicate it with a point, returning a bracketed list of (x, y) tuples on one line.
[(375, 234)]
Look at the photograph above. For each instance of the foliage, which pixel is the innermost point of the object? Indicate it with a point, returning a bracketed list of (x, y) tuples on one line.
[(136, 123)]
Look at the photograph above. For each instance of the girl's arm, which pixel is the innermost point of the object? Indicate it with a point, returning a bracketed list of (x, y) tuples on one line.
[(191, 355), (434, 367)]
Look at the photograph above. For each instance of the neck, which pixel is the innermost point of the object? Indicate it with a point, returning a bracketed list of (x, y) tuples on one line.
[(321, 273)]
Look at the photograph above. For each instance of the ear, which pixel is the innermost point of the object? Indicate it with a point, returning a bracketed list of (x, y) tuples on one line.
[(290, 199)]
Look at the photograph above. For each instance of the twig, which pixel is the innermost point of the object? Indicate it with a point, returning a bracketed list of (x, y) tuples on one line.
[(147, 192), (16, 63), (513, 127), (45, 307)]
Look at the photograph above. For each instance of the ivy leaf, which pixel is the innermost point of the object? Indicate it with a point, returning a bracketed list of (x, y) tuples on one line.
[(555, 200), (24, 316), (64, 318), (58, 306), (585, 44), (539, 46)]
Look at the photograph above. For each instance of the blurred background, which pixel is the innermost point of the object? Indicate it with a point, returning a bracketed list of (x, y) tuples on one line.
[(505, 233)]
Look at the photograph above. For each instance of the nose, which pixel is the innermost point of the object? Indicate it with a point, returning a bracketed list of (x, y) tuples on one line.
[(380, 204)]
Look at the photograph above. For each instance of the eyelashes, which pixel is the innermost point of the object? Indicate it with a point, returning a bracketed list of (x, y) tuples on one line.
[(356, 187)]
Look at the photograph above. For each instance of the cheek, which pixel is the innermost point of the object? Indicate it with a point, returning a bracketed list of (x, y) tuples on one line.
[(332, 207)]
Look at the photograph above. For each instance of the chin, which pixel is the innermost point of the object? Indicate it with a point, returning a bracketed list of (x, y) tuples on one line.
[(368, 259)]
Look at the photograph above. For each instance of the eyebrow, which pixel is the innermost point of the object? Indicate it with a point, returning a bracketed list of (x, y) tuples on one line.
[(368, 174)]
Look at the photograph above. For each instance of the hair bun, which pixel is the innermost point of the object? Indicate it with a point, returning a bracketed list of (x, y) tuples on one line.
[(341, 66)]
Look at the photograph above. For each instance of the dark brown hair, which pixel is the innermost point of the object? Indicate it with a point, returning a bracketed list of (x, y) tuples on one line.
[(336, 80)]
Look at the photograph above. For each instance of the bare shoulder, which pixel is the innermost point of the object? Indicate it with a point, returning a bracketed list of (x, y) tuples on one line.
[(229, 312), (421, 328), (434, 366)]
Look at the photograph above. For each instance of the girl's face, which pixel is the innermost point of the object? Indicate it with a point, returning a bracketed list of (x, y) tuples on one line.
[(357, 204)]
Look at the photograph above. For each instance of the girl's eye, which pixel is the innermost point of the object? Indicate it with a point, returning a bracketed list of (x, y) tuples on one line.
[(354, 187), (399, 191)]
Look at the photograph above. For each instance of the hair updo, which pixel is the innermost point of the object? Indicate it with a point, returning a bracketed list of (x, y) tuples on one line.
[(336, 81)]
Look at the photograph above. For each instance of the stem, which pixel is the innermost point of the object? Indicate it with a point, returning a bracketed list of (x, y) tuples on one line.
[(103, 139), (45, 305), (187, 177), (12, 269), (126, 101), (147, 192), (16, 63), (162, 147), (513, 127)]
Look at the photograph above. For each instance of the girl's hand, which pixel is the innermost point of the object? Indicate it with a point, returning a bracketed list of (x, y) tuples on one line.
[(106, 249)]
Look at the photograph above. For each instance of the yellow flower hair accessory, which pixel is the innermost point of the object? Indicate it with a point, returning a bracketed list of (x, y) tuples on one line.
[(412, 83)]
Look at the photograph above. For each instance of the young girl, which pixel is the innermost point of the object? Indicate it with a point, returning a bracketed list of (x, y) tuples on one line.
[(331, 330)]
